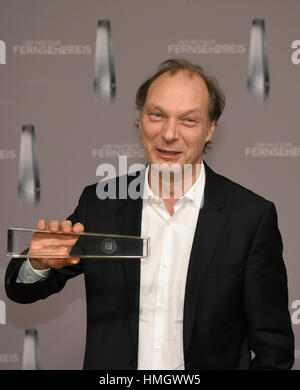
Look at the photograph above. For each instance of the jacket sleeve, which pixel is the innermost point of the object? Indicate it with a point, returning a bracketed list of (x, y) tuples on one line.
[(270, 334), (55, 281)]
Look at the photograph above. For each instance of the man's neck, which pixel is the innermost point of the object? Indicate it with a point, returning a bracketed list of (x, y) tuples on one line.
[(170, 185)]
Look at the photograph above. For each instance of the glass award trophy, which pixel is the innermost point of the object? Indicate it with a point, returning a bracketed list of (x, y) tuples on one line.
[(104, 75), (29, 180), (31, 352), (61, 245), (258, 68)]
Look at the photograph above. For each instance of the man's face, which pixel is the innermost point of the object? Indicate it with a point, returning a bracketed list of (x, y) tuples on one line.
[(174, 122)]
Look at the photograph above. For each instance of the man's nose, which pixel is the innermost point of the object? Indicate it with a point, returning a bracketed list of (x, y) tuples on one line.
[(170, 130)]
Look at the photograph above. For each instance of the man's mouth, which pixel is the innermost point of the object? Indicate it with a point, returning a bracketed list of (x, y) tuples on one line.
[(168, 152)]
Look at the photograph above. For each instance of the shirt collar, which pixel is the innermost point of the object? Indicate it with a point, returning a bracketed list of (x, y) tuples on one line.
[(195, 194)]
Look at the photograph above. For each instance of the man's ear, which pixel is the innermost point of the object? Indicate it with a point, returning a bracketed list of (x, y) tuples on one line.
[(210, 131), (139, 122)]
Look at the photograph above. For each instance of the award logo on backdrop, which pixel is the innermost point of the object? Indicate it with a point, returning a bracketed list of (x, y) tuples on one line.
[(2, 313), (51, 48), (29, 180), (2, 53), (272, 149), (31, 351), (258, 68), (205, 46), (104, 76)]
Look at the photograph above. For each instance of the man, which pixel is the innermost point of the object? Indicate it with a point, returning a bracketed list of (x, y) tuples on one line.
[(214, 288)]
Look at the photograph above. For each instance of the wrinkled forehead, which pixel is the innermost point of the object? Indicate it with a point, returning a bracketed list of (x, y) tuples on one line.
[(180, 91)]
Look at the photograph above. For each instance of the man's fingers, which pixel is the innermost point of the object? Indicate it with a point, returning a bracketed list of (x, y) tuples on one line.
[(66, 226), (78, 228), (53, 246), (54, 226), (74, 260), (60, 263), (41, 225)]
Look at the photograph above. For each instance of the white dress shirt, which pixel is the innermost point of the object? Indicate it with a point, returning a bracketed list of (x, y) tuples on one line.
[(163, 276)]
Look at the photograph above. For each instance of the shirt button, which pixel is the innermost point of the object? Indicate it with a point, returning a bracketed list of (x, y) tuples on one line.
[(157, 348), (165, 265), (169, 222)]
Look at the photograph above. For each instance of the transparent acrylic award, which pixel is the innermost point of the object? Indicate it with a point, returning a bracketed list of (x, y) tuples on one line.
[(79, 245), (31, 351), (104, 75), (29, 180), (258, 68)]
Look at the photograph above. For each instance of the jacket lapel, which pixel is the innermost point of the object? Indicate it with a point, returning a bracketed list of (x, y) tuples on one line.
[(211, 221)]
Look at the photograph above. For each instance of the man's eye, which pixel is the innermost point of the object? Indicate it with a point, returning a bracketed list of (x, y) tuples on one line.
[(155, 115), (189, 120)]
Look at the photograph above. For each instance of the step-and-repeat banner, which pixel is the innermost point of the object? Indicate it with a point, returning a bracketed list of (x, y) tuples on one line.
[(69, 71)]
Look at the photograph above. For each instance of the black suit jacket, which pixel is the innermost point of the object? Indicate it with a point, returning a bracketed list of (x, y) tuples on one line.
[(236, 297)]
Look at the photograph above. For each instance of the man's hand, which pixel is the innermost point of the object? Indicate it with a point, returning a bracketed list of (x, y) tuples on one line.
[(54, 244)]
